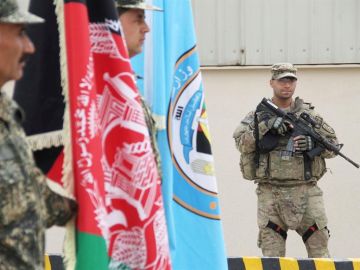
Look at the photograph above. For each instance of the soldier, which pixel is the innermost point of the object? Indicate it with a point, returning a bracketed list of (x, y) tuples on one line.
[(278, 161), (27, 205), (132, 18)]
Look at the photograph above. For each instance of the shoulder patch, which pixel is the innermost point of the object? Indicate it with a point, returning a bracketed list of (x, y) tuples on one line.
[(247, 121), (327, 128), (249, 118)]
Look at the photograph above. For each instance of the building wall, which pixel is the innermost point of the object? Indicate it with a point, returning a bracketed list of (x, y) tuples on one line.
[(230, 94), (261, 32)]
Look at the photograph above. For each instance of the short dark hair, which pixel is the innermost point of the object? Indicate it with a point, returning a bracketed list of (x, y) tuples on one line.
[(121, 10)]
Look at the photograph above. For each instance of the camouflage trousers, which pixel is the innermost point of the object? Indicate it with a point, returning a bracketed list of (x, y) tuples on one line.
[(299, 208)]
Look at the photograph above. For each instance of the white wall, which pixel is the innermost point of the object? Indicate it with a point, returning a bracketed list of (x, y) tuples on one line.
[(230, 94)]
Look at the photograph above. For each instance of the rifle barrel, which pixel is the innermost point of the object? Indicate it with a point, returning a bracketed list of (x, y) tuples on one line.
[(349, 160)]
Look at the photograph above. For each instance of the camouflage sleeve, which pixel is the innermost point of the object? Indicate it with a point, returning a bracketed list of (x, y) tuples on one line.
[(151, 124), (59, 209), (325, 130), (244, 134)]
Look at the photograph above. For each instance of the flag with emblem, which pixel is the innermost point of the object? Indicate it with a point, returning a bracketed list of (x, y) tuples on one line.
[(173, 88), (120, 222)]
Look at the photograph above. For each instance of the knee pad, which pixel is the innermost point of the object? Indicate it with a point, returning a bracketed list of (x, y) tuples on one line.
[(312, 229), (317, 244)]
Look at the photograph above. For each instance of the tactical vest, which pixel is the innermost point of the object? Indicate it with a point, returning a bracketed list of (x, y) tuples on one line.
[(277, 164)]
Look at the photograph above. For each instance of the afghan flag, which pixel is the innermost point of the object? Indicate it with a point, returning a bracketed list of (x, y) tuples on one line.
[(120, 222), (174, 88)]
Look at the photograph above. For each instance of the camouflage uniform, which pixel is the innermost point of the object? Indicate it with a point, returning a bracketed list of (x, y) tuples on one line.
[(287, 199), (10, 13), (151, 124), (27, 205)]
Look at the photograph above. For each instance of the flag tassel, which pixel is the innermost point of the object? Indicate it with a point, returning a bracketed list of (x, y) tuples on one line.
[(69, 243), (46, 140)]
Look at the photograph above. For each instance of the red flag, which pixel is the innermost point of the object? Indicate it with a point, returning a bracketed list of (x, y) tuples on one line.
[(117, 184)]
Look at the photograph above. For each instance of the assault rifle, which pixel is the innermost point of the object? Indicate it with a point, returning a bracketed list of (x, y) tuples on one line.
[(304, 125)]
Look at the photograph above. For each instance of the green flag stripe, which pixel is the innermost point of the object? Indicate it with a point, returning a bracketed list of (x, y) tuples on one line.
[(91, 252)]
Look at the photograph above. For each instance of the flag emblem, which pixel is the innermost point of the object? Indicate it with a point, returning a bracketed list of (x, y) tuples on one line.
[(190, 141)]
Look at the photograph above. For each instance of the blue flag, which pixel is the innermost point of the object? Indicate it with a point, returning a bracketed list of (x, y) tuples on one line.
[(173, 88)]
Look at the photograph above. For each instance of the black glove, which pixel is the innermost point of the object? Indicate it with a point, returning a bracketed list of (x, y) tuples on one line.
[(303, 143), (277, 125)]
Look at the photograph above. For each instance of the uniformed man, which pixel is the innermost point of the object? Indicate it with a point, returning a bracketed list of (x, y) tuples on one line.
[(27, 205), (279, 162), (132, 18)]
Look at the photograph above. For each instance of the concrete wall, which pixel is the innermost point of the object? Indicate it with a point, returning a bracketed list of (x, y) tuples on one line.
[(335, 91)]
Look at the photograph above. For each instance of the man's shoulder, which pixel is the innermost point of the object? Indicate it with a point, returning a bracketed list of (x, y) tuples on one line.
[(249, 118), (301, 104), (245, 124)]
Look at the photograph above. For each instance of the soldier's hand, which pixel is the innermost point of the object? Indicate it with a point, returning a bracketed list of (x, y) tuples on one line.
[(303, 143), (278, 126)]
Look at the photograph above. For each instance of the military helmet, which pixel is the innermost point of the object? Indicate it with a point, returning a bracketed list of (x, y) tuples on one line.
[(282, 70), (136, 4), (10, 13)]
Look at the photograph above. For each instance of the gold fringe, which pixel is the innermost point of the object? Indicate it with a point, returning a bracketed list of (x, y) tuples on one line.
[(69, 249), (45, 140), (68, 179)]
